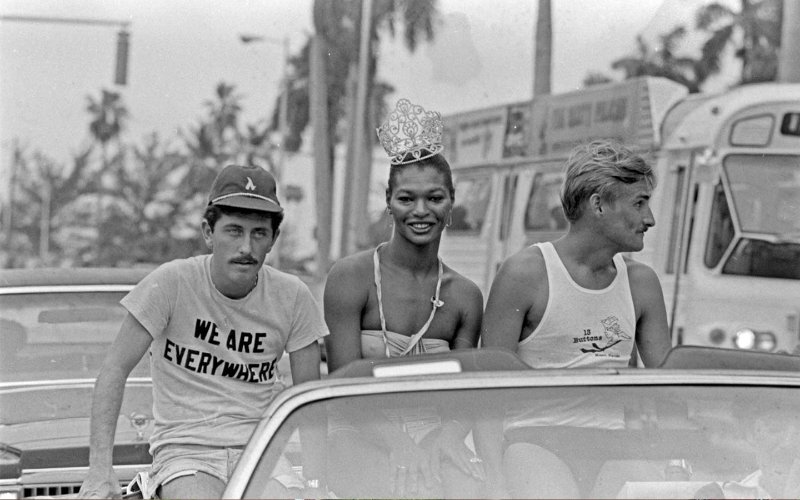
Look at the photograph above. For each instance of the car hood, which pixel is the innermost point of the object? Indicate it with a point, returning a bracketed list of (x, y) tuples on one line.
[(49, 422)]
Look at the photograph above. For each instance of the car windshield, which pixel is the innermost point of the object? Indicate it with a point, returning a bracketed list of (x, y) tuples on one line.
[(58, 336), (657, 441), (766, 193)]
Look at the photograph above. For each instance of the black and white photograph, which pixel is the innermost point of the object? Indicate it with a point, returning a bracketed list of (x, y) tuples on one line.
[(456, 249)]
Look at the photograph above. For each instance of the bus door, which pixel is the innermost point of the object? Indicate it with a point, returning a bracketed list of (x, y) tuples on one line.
[(470, 243), (505, 248), (740, 281)]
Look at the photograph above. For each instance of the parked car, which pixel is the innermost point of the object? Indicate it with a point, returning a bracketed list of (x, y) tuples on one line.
[(709, 420), (55, 328)]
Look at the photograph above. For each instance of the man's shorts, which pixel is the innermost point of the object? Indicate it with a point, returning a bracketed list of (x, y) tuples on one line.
[(172, 461), (177, 460)]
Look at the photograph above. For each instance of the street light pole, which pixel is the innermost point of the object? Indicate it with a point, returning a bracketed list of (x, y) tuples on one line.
[(123, 37), (283, 115), (283, 110)]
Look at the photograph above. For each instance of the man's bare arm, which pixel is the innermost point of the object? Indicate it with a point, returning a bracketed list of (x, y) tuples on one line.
[(305, 367), (131, 343), (510, 299), (652, 330), (343, 302)]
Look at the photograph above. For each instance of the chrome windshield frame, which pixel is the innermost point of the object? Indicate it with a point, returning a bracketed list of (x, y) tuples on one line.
[(295, 397)]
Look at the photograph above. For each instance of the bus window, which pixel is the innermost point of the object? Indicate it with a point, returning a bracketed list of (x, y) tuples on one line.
[(720, 230), (791, 124), (766, 192), (472, 203), (544, 212), (752, 131), (764, 259)]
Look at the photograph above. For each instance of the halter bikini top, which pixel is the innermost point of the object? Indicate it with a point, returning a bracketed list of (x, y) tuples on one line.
[(437, 303)]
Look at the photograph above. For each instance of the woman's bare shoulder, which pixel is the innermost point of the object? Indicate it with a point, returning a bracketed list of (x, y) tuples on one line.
[(356, 262), (461, 285)]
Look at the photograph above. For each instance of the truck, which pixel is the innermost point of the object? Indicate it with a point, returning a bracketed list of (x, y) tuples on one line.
[(726, 244)]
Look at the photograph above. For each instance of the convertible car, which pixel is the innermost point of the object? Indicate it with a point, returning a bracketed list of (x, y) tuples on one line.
[(55, 328), (709, 423)]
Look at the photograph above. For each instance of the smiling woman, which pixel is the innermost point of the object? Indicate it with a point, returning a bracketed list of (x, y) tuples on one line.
[(401, 299)]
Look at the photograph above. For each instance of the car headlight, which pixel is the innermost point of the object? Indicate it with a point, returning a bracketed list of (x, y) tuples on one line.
[(744, 339), (747, 338), (717, 336)]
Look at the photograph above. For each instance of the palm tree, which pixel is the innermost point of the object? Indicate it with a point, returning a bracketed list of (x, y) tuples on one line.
[(214, 140), (109, 114), (223, 119), (108, 117), (337, 26), (758, 22), (662, 62), (596, 78), (47, 205), (152, 221)]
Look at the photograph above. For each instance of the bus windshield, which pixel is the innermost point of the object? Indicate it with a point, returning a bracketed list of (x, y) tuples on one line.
[(765, 196), (766, 193)]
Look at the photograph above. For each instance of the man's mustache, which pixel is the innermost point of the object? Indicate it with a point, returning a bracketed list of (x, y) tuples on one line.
[(244, 260)]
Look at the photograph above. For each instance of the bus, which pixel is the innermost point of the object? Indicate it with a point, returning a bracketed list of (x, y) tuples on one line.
[(726, 244)]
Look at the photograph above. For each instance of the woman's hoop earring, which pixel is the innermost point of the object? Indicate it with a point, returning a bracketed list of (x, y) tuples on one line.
[(449, 220)]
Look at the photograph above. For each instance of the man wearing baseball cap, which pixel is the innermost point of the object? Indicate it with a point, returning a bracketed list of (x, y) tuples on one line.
[(215, 326)]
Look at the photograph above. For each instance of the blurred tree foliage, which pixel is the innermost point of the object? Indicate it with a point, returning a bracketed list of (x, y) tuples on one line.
[(117, 203), (752, 33), (339, 24), (135, 205)]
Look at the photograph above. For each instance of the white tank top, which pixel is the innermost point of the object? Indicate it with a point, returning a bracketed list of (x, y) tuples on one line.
[(580, 327)]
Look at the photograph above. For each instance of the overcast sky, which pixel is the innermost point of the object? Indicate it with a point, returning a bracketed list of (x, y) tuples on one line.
[(180, 50)]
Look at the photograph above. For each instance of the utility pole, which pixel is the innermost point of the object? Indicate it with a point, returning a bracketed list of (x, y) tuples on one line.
[(323, 172), (543, 48), (8, 221), (283, 118), (362, 156), (789, 52), (44, 222), (283, 100)]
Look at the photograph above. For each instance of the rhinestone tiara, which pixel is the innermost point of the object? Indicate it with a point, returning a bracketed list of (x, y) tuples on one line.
[(410, 133)]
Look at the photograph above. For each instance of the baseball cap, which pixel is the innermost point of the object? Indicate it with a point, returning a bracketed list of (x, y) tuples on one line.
[(249, 187)]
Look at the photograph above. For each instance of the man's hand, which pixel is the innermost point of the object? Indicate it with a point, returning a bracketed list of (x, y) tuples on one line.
[(98, 485), (449, 444)]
